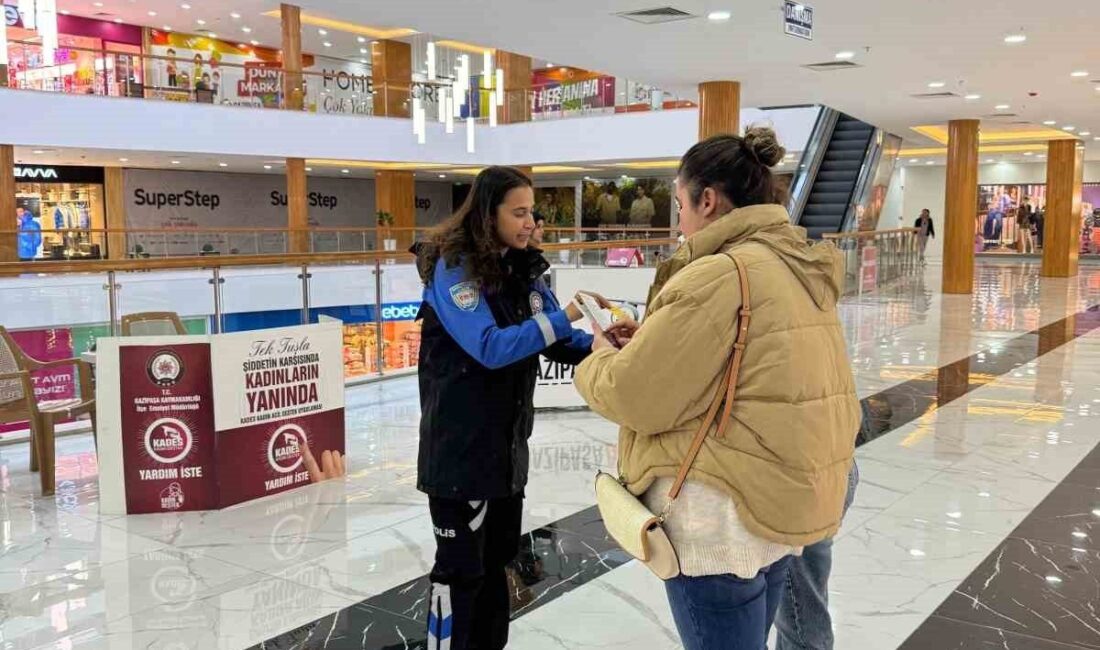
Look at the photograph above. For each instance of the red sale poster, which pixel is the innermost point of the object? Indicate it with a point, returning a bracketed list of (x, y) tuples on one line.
[(168, 444)]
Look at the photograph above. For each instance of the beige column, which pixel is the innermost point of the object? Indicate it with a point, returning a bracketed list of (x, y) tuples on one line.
[(1062, 224), (961, 207), (9, 242), (297, 206), (391, 73), (396, 194), (517, 85), (115, 200), (293, 90), (719, 108)]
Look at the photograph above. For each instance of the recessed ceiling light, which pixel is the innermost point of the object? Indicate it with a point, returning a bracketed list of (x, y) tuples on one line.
[(309, 169), (234, 15), (211, 34), (362, 50), (1085, 133), (1014, 39), (1069, 128), (65, 12), (223, 164), (916, 552), (990, 161), (843, 56), (152, 13), (327, 44), (1050, 122), (167, 28), (443, 176), (242, 46), (936, 84), (549, 65), (124, 160), (175, 162), (914, 160), (1079, 73), (1042, 156), (363, 61), (118, 20), (97, 4), (322, 32), (267, 166), (1002, 107), (973, 96), (345, 171), (39, 151), (930, 162), (362, 39), (1028, 153), (185, 6), (246, 30), (201, 21), (719, 16)]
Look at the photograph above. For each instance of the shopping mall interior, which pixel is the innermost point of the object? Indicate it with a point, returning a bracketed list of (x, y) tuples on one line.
[(217, 426)]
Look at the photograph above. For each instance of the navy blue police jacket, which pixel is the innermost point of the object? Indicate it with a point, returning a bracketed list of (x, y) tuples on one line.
[(479, 357)]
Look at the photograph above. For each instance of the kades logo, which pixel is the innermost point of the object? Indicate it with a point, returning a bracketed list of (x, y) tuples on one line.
[(168, 440), (165, 368), (284, 448)]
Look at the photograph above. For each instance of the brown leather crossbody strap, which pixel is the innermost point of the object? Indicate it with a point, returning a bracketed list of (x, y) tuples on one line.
[(727, 389)]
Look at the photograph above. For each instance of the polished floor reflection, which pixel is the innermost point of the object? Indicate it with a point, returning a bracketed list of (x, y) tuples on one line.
[(978, 409)]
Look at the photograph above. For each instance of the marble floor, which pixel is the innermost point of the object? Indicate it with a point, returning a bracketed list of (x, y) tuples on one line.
[(981, 407)]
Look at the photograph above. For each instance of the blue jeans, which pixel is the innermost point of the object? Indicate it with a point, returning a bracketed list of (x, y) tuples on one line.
[(725, 612), (803, 622)]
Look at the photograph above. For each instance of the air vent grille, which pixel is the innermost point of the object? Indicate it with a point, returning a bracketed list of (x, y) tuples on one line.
[(939, 95), (656, 15), (999, 116), (830, 66)]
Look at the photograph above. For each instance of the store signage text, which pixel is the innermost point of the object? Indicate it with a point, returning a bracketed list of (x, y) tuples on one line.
[(259, 79), (333, 104), (424, 92), (423, 204), (316, 200), (36, 172), (12, 17), (402, 311), (343, 80), (798, 20), (188, 199)]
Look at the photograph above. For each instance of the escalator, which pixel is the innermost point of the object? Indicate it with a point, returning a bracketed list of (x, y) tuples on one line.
[(840, 172)]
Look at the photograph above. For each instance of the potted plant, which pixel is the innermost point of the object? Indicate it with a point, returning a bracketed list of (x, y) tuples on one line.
[(385, 222)]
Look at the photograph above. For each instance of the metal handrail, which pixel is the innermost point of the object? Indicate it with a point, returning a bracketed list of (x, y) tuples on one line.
[(867, 234), (810, 164)]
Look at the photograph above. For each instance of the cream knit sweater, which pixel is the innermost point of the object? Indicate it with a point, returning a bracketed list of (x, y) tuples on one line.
[(707, 534)]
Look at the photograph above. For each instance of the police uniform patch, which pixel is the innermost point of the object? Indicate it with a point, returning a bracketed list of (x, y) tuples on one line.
[(466, 295), (536, 303)]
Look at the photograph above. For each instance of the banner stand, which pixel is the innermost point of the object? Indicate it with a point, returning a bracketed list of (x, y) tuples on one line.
[(206, 422)]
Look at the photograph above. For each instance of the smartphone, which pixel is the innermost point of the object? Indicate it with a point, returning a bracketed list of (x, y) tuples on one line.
[(596, 315)]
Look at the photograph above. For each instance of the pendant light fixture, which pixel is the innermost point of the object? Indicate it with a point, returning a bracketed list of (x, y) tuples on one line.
[(46, 20), (470, 135), (28, 13)]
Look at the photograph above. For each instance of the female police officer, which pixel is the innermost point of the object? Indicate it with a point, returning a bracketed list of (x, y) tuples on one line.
[(487, 315)]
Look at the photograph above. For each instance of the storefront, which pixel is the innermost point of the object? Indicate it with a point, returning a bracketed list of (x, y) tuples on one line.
[(1001, 225), (60, 212), (93, 57)]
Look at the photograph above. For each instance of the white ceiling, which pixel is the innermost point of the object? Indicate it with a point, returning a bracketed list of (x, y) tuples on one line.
[(901, 46)]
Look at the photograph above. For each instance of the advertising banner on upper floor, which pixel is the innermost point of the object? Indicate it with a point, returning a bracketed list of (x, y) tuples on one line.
[(192, 202), (556, 93)]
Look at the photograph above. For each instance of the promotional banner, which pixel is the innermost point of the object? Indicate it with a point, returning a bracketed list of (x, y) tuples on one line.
[(280, 409), (567, 91), (54, 383), (168, 444), (191, 62)]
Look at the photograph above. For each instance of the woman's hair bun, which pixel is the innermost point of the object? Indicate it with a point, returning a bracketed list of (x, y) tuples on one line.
[(761, 143)]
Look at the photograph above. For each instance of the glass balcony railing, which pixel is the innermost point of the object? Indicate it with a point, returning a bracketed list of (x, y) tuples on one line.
[(875, 258)]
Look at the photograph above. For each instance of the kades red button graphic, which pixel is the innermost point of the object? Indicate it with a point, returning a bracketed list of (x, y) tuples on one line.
[(284, 448), (168, 440)]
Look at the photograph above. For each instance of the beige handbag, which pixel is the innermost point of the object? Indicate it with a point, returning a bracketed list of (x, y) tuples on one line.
[(631, 524)]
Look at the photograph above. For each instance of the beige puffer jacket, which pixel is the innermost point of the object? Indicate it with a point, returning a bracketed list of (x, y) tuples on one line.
[(785, 455)]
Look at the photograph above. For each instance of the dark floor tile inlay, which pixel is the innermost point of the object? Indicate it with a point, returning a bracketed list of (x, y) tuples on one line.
[(572, 551), (939, 633)]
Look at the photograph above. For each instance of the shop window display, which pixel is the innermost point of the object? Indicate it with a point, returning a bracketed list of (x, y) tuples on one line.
[(93, 57), (1000, 219), (60, 218)]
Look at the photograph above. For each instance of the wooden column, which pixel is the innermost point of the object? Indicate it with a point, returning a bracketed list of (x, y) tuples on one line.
[(9, 240), (719, 108), (293, 92), (517, 86), (396, 194), (1062, 225), (297, 206), (391, 73), (961, 207), (115, 198)]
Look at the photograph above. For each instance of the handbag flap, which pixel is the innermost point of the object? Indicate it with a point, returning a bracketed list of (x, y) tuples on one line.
[(626, 518)]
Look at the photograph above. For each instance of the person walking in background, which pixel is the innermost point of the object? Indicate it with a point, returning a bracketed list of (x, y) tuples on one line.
[(642, 209), (925, 229), (487, 315), (1025, 244), (1038, 220), (772, 478), (539, 233), (609, 206)]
